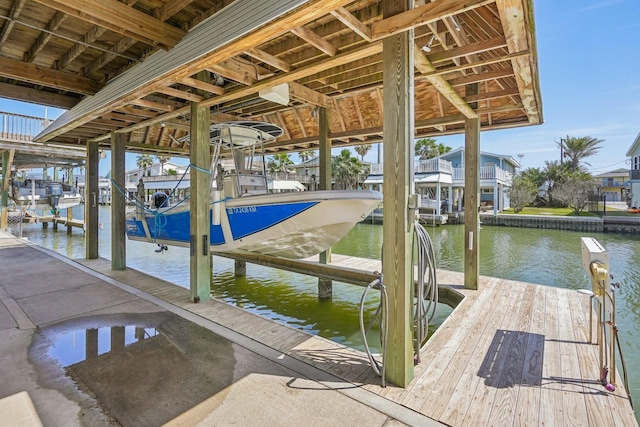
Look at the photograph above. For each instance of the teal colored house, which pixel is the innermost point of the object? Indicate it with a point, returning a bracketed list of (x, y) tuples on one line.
[(443, 177)]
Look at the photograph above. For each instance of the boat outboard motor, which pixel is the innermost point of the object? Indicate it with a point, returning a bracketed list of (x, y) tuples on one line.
[(53, 191), (160, 199)]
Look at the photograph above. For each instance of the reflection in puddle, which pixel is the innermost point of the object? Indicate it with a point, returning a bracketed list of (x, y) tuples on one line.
[(146, 372), (75, 346)]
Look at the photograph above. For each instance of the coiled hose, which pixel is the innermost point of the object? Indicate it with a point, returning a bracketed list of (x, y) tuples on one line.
[(425, 306)]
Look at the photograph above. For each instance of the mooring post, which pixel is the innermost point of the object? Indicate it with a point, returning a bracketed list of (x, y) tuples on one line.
[(325, 288), (69, 219), (240, 268)]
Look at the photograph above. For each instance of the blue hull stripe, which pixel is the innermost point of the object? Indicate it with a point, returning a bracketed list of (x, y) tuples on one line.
[(248, 220), (244, 221)]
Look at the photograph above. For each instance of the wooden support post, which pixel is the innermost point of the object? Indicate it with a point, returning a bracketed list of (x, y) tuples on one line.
[(91, 201), (199, 216), (240, 268), (324, 162), (118, 241), (398, 182), (325, 286), (471, 203), (117, 339), (7, 160), (69, 219)]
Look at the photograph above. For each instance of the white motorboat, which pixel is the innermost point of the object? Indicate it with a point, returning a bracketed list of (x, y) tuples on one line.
[(244, 216)]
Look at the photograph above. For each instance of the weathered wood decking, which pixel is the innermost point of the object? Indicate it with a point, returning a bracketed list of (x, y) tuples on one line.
[(511, 353)]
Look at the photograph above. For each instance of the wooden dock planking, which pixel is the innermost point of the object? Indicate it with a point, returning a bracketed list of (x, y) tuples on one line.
[(441, 348), (528, 405), (459, 402), (511, 374), (541, 327), (473, 351), (571, 382)]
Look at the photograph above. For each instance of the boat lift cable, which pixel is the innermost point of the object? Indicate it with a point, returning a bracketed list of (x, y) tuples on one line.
[(425, 305)]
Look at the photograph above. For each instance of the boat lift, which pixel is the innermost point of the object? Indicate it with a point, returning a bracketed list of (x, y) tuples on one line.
[(595, 261)]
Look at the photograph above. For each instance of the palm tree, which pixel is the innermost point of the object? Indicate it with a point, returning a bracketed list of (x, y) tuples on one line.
[(279, 163), (362, 150), (427, 148), (306, 155), (144, 162), (162, 159), (577, 149), (346, 169)]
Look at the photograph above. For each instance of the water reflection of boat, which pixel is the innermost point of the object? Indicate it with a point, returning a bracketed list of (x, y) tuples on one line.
[(244, 216), (41, 194)]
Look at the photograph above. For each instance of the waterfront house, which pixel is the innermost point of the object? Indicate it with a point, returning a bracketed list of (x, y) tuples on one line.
[(443, 177), (615, 185), (634, 173)]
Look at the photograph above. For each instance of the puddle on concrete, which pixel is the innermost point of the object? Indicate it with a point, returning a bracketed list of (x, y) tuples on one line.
[(76, 346), (144, 369)]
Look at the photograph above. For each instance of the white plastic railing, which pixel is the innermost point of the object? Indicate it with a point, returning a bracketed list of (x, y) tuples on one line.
[(18, 127)]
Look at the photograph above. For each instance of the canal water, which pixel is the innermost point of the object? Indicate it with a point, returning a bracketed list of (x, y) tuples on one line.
[(546, 257)]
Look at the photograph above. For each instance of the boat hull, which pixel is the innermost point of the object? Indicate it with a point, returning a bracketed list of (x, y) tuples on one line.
[(291, 225), (43, 202)]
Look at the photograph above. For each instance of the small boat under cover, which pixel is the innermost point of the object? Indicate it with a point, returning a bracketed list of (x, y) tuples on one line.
[(244, 216), (41, 194)]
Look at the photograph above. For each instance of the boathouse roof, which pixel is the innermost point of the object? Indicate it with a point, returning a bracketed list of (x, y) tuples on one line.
[(134, 66)]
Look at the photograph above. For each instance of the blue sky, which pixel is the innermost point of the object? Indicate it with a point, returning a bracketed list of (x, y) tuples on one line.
[(589, 68)]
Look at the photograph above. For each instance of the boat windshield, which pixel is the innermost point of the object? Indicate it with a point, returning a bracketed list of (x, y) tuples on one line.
[(238, 164)]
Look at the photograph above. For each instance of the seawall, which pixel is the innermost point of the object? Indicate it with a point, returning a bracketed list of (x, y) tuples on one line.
[(613, 224)]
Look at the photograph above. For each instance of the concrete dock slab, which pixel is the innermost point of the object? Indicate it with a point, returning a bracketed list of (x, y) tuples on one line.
[(88, 352)]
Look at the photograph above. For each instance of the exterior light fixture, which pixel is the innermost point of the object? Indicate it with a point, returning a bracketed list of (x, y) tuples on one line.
[(427, 47)]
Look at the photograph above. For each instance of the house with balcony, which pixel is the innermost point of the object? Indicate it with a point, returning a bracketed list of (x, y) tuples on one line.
[(615, 185), (634, 173), (443, 178)]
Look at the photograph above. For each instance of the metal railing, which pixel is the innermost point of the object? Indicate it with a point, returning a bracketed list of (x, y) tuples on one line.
[(18, 127), (487, 173), (420, 166)]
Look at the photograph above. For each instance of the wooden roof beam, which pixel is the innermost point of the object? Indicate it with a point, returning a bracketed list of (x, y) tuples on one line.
[(515, 23), (177, 93), (45, 36), (479, 78), (423, 15), (267, 58), (235, 70), (309, 96), (152, 104), (315, 40), (469, 49), (121, 19), (15, 69), (344, 16), (26, 94), (16, 9), (199, 84), (90, 36), (441, 84), (484, 96), (138, 112)]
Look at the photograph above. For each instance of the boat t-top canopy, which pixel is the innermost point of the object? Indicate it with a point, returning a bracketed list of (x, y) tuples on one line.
[(241, 133)]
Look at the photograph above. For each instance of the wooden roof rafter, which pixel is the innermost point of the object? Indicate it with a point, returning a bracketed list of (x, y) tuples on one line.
[(120, 18), (270, 55)]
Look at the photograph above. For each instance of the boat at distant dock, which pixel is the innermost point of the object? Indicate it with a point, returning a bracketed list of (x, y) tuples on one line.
[(244, 215), (44, 194)]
